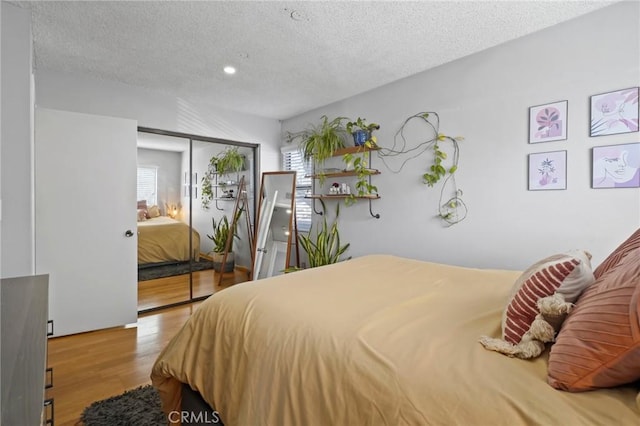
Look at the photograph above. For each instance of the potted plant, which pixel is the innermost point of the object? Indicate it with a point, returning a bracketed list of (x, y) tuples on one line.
[(361, 131), (219, 237), (319, 142), (324, 247), (229, 161)]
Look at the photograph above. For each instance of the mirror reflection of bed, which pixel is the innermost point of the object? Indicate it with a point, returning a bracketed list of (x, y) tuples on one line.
[(164, 255), (174, 263)]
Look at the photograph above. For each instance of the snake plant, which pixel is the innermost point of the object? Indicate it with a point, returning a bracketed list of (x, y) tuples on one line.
[(324, 247), (221, 232)]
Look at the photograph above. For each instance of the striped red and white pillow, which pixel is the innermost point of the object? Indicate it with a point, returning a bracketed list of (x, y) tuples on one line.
[(567, 274)]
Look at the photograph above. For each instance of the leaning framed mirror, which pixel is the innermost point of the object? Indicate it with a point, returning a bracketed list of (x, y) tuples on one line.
[(275, 225)]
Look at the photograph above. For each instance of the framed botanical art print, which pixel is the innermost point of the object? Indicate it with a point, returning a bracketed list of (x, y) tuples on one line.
[(614, 112), (616, 166), (548, 123), (548, 171)]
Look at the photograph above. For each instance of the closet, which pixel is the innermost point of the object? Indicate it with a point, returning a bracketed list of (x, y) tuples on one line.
[(189, 190), (86, 229)]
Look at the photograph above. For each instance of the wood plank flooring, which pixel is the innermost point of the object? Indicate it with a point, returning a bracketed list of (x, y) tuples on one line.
[(91, 366), (168, 290)]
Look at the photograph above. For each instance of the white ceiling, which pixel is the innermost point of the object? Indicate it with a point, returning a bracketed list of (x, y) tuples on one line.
[(291, 57)]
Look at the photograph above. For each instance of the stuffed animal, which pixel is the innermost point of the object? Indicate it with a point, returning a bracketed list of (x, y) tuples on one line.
[(540, 301), (543, 329)]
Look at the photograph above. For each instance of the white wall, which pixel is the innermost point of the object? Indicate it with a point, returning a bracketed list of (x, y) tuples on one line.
[(485, 98), (16, 149), (157, 110)]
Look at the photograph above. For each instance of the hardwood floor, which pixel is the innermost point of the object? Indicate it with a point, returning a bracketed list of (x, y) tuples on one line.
[(91, 366), (164, 291)]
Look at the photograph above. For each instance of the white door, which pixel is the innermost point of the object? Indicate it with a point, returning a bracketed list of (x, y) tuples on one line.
[(85, 193)]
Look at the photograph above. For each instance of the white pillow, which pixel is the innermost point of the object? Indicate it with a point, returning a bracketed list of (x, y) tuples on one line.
[(153, 211)]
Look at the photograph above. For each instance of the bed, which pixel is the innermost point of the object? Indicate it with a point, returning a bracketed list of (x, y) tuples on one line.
[(163, 239), (376, 340)]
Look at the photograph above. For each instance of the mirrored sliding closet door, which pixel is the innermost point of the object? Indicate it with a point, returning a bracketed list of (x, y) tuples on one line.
[(188, 187)]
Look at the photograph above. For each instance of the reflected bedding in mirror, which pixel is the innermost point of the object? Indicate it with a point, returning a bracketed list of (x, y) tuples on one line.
[(163, 239)]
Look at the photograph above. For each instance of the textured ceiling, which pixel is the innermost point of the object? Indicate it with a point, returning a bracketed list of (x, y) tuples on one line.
[(291, 56)]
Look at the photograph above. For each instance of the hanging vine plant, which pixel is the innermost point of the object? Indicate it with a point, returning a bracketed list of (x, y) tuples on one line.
[(451, 208)]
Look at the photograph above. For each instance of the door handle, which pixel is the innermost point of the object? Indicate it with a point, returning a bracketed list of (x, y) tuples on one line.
[(128, 233)]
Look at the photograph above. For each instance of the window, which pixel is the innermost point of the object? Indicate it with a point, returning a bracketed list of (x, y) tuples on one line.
[(292, 159), (148, 184)]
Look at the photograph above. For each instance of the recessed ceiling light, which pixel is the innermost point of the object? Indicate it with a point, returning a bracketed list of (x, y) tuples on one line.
[(229, 69)]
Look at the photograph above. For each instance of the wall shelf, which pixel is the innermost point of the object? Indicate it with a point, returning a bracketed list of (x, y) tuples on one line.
[(330, 196), (365, 151), (343, 173), (354, 150), (219, 185)]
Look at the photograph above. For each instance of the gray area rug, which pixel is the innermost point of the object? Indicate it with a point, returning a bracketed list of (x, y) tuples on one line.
[(161, 270), (140, 406)]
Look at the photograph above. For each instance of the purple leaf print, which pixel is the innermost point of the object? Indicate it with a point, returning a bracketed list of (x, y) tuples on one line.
[(549, 123), (548, 117)]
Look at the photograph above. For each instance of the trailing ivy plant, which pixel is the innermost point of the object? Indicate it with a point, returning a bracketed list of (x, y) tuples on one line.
[(206, 191), (437, 171), (363, 187), (451, 208)]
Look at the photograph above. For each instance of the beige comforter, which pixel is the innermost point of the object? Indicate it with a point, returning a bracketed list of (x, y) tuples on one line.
[(377, 340), (162, 239)]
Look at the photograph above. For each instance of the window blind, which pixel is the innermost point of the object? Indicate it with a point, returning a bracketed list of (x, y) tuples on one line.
[(292, 159), (148, 185)]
